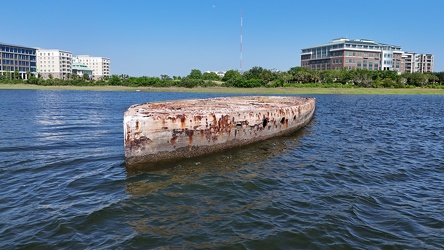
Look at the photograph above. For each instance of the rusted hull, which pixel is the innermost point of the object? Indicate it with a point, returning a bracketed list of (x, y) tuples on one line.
[(167, 131)]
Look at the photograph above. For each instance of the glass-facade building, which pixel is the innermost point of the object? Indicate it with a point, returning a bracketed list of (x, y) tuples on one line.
[(15, 58), (353, 54)]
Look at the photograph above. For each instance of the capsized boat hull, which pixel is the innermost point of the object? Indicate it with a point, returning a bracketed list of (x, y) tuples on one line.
[(167, 131)]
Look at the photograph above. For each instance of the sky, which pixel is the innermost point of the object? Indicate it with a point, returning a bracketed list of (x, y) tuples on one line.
[(172, 37)]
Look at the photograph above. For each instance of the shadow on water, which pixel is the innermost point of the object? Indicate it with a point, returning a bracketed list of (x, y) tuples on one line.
[(144, 182)]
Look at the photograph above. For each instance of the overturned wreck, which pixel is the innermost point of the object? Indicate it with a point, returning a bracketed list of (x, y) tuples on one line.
[(172, 130)]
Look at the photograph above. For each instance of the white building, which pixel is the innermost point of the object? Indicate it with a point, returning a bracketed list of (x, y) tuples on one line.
[(218, 73), (100, 66), (54, 63), (415, 62)]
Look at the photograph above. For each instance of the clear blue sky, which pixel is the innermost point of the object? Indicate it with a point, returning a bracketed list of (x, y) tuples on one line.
[(173, 37)]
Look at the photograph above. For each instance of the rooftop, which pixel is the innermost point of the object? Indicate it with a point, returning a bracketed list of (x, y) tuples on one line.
[(15, 45), (363, 42), (58, 50)]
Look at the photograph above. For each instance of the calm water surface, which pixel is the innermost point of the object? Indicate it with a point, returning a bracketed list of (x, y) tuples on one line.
[(367, 172)]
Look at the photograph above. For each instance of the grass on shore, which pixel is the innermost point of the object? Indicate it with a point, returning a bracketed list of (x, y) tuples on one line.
[(284, 90)]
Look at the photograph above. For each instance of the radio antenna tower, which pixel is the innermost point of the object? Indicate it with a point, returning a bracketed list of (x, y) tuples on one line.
[(240, 42)]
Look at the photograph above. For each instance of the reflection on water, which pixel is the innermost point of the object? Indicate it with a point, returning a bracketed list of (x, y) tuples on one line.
[(187, 191), (190, 170)]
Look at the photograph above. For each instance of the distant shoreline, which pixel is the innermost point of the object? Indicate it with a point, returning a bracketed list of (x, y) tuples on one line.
[(230, 90)]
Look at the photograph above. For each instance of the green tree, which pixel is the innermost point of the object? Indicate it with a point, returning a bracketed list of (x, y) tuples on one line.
[(195, 74), (388, 83), (267, 76), (417, 79), (253, 73), (34, 80), (433, 79), (236, 81), (114, 80), (231, 74), (325, 76), (212, 76), (302, 75), (344, 76), (440, 76), (190, 83), (8, 73), (16, 74), (165, 77), (362, 78), (123, 76)]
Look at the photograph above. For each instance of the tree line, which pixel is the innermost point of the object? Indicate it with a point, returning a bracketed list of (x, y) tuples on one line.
[(301, 77), (254, 77)]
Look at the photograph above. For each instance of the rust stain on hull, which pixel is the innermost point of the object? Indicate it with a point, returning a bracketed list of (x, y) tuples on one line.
[(156, 132)]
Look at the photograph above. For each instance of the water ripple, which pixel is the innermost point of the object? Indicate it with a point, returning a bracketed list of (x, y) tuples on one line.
[(367, 172)]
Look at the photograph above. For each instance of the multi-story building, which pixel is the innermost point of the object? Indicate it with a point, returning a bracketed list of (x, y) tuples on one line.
[(15, 58), (361, 54), (415, 62), (427, 63), (48, 63), (54, 63), (100, 65)]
